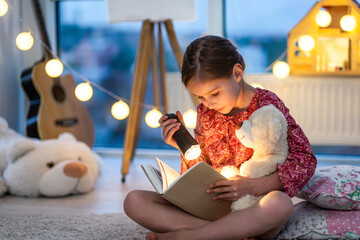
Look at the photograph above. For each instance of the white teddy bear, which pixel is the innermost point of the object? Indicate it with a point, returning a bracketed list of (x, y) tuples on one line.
[(266, 133), (50, 168)]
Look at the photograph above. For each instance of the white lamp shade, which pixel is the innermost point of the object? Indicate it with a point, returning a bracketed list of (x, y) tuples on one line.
[(155, 10)]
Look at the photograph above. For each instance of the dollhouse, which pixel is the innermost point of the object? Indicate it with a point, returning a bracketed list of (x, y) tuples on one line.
[(327, 40)]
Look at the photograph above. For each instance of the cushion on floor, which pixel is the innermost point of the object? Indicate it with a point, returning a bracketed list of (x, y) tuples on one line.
[(335, 187), (311, 222)]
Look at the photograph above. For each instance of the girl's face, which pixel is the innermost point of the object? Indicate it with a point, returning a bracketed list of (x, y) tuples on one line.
[(221, 94)]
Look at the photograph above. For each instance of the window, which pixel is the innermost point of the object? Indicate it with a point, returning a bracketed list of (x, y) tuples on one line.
[(261, 32), (105, 53)]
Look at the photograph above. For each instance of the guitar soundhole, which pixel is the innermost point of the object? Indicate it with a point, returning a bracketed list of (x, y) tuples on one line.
[(58, 93)]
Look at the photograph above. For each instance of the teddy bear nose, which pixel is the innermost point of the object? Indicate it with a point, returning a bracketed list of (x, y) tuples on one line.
[(239, 125), (75, 170)]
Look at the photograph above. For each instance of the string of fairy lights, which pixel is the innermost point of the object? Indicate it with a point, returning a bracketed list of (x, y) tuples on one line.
[(120, 109)]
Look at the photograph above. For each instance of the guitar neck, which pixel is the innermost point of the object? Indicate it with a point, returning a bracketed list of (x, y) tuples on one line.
[(42, 28)]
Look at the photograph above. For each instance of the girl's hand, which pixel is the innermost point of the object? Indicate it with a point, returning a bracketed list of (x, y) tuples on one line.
[(232, 189), (169, 127)]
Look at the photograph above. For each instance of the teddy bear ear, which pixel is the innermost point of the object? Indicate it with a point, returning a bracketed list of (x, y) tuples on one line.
[(274, 129), (67, 137), (20, 148), (278, 126)]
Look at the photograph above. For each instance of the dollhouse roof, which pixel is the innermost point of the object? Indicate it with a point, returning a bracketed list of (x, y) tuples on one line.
[(307, 23)]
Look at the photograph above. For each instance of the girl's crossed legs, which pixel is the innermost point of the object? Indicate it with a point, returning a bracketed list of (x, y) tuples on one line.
[(264, 219)]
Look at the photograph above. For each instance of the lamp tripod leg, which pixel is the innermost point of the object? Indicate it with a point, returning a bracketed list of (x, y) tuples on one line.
[(162, 71), (137, 95), (154, 63)]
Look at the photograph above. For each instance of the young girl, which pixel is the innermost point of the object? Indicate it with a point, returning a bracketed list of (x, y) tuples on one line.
[(213, 71)]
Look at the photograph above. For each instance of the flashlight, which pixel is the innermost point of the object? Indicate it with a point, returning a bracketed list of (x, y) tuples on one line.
[(186, 143)]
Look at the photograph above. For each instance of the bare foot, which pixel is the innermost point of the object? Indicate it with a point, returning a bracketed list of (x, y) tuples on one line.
[(150, 236)]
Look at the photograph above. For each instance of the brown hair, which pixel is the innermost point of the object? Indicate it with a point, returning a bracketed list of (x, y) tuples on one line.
[(209, 58)]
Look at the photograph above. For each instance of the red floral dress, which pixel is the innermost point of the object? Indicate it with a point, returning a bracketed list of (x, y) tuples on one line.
[(220, 147)]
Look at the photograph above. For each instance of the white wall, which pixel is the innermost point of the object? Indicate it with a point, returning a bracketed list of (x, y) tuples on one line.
[(13, 61)]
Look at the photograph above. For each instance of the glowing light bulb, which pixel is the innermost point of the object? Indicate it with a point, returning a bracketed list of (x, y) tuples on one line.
[(54, 68), (281, 69), (3, 7), (229, 171), (348, 23), (190, 118), (257, 85), (152, 118), (193, 152), (24, 41), (84, 91), (323, 18), (120, 110), (306, 43)]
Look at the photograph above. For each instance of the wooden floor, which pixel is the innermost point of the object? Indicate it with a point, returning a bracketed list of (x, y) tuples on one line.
[(107, 197), (109, 193)]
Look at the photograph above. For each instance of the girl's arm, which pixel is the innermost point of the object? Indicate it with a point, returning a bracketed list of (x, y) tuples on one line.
[(301, 162), (234, 188), (267, 184)]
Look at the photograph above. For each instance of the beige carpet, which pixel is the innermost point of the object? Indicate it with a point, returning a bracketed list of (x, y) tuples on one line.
[(107, 226)]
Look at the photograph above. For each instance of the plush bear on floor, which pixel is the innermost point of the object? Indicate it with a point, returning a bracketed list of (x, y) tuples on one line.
[(50, 168), (266, 133)]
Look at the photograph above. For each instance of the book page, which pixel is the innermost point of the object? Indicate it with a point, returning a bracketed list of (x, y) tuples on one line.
[(154, 176), (168, 174), (189, 193)]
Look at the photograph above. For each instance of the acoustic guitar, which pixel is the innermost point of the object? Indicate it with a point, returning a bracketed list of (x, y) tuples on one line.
[(53, 107)]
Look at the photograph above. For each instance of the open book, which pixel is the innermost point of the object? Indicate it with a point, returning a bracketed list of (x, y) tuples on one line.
[(188, 191)]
